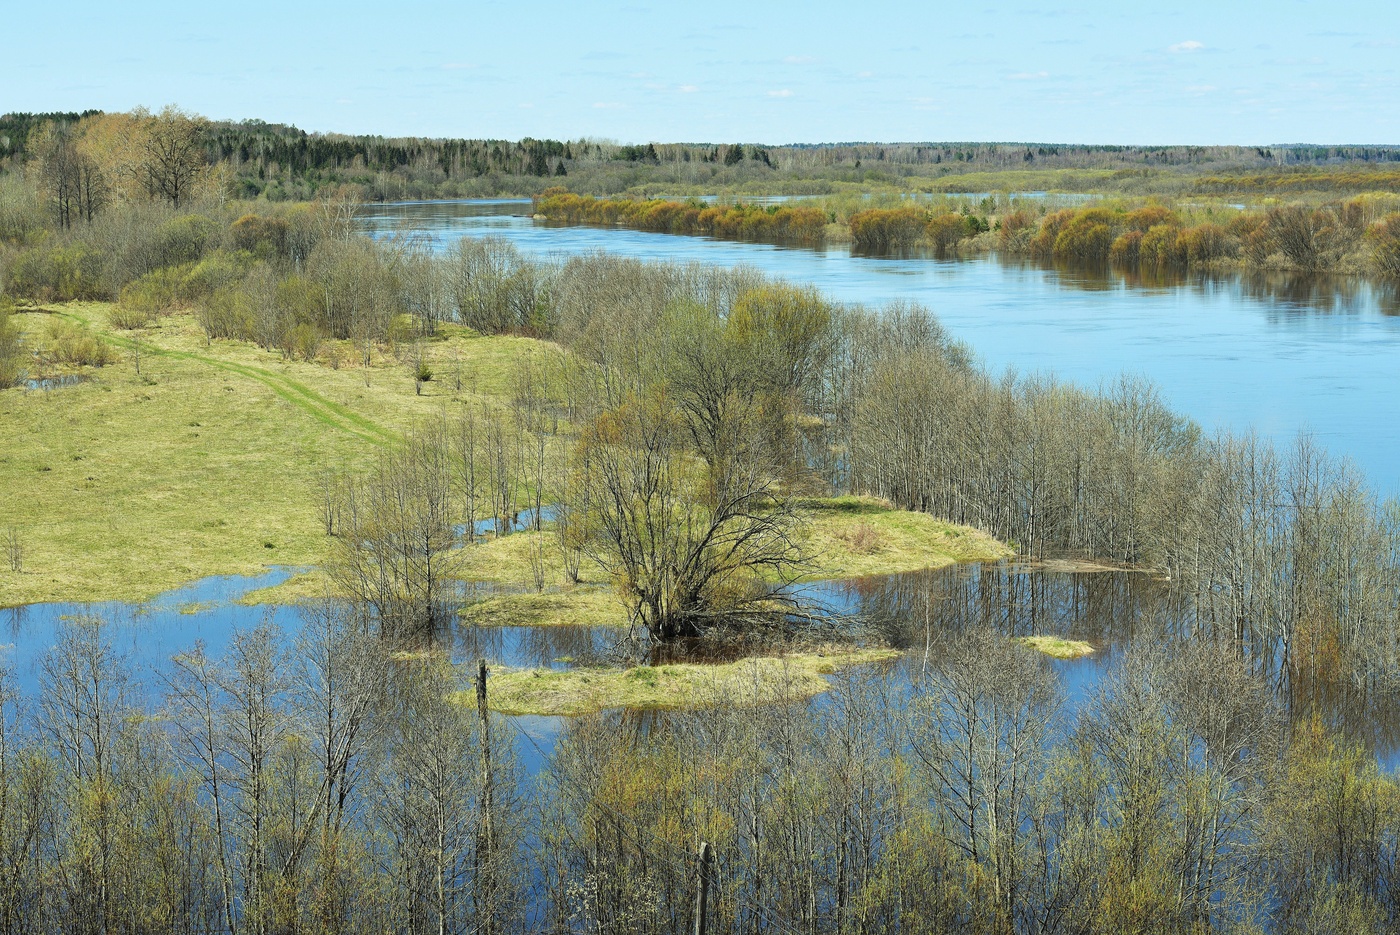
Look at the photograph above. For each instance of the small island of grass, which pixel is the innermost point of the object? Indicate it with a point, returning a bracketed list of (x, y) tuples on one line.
[(747, 681), (1057, 647)]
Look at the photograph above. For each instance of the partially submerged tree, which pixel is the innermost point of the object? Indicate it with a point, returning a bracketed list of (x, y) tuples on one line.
[(394, 552), (691, 544)]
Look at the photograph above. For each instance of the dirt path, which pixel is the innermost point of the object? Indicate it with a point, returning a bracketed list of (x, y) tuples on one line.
[(307, 400)]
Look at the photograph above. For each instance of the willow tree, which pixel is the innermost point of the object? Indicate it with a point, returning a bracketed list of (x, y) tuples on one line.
[(690, 543)]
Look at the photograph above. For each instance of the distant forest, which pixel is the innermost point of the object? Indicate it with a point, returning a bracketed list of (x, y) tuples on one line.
[(281, 162)]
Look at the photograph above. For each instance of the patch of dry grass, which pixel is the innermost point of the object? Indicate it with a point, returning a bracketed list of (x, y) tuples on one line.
[(756, 680), (1057, 647), (855, 536)]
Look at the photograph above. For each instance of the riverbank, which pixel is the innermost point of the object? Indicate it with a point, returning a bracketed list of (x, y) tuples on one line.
[(1356, 236)]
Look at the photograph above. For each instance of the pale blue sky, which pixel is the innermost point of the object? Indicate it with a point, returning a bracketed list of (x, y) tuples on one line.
[(1099, 72)]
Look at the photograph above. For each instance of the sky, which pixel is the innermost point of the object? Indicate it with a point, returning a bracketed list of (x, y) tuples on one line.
[(1173, 71)]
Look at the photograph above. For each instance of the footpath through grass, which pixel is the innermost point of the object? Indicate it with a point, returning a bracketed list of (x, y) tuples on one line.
[(129, 484)]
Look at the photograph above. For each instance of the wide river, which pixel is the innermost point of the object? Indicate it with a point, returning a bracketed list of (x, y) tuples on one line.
[(1279, 353)]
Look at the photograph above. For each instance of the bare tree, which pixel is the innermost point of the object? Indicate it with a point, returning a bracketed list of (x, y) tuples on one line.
[(14, 549), (173, 159), (395, 550), (690, 543), (982, 737)]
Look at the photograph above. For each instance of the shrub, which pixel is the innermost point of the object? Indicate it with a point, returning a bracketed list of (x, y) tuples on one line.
[(303, 340), (1012, 225), (1147, 217), (12, 351), (945, 231), (1086, 239), (213, 272), (1126, 248), (227, 313), (1205, 242), (69, 344), (887, 228), (1384, 236), (1043, 243), (129, 316), (155, 292), (264, 237), (183, 239), (54, 272), (1299, 233), (1159, 247), (863, 539)]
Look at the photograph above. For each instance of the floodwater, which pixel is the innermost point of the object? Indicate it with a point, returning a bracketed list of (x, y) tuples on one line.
[(912, 611), (1276, 352)]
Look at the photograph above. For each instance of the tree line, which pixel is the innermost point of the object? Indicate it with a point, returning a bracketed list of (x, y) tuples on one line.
[(1354, 235), (259, 159)]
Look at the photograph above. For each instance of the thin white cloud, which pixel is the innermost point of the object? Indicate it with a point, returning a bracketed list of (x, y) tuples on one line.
[(456, 66), (1190, 45), (1029, 76), (1200, 88), (688, 89), (800, 59), (785, 92), (607, 105)]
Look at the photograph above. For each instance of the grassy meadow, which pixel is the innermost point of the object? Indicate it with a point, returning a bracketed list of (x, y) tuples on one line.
[(205, 461)]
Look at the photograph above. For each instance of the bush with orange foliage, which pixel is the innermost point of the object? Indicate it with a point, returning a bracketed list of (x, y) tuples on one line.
[(734, 222)]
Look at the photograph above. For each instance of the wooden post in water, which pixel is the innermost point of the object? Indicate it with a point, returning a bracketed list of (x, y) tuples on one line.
[(702, 887), (486, 832)]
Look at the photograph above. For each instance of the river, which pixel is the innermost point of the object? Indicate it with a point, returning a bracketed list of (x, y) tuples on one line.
[(1275, 352)]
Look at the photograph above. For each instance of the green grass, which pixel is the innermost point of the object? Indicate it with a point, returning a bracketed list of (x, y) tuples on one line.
[(749, 681), (128, 485), (850, 537), (1056, 646)]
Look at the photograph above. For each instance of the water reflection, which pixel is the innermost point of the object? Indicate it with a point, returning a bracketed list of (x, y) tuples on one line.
[(915, 612), (1113, 611)]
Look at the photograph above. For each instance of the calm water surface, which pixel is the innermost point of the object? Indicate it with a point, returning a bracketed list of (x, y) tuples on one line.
[(1276, 352), (911, 611)]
